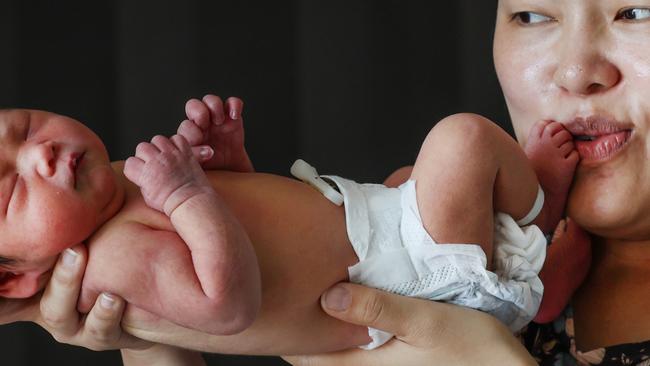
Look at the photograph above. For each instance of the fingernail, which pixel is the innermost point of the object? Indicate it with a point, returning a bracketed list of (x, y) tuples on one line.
[(206, 152), (107, 301), (337, 298), (233, 114), (70, 257)]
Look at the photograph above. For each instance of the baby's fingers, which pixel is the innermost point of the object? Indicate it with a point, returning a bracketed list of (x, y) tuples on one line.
[(191, 131), (234, 107), (215, 105), (198, 112), (133, 169), (163, 143), (202, 153), (146, 151)]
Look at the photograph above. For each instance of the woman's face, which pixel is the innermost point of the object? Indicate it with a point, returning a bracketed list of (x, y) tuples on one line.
[(586, 63)]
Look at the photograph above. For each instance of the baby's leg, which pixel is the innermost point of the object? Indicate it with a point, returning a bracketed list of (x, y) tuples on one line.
[(467, 168)]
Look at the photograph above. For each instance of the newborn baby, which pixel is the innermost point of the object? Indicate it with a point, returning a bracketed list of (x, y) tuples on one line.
[(205, 249)]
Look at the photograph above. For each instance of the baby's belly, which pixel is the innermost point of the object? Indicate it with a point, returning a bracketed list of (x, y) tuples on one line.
[(302, 248)]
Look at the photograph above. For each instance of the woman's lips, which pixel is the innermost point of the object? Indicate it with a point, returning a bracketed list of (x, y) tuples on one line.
[(601, 147), (599, 137)]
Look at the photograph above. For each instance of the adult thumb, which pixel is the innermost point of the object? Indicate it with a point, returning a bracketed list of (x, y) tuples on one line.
[(368, 307)]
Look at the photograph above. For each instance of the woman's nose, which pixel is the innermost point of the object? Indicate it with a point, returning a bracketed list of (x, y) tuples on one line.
[(584, 71), (40, 158)]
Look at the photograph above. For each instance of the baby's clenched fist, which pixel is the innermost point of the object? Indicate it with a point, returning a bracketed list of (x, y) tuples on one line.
[(167, 172)]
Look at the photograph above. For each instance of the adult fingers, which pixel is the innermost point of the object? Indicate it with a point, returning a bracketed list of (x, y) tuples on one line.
[(102, 326), (103, 321), (59, 302), (385, 355), (392, 313)]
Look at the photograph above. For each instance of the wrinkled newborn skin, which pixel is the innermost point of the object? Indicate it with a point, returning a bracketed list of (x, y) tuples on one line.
[(298, 263)]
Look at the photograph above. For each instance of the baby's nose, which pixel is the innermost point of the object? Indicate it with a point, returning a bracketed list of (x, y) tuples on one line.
[(42, 158)]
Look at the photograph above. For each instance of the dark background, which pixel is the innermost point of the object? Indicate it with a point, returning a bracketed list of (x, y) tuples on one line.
[(352, 86)]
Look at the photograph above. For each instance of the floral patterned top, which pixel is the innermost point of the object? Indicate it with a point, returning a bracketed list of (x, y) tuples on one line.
[(553, 345)]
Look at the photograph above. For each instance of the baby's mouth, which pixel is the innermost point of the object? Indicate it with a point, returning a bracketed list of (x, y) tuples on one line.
[(75, 161)]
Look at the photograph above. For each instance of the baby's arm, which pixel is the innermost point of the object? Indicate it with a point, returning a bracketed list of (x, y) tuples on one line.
[(172, 181)]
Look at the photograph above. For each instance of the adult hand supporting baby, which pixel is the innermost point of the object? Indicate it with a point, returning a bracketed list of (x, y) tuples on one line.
[(98, 330), (426, 332)]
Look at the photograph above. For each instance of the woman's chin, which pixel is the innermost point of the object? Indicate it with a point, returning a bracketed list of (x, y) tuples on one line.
[(607, 217)]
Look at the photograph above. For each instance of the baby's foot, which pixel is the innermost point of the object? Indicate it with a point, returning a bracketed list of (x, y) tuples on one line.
[(219, 125), (552, 153)]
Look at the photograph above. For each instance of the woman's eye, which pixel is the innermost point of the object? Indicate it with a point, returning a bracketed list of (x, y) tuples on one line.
[(633, 14), (528, 17)]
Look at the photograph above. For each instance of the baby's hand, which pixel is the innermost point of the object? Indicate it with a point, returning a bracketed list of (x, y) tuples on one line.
[(220, 126), (167, 173)]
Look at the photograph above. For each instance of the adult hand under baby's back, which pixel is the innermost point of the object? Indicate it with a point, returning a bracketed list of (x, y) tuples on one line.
[(100, 328), (426, 332)]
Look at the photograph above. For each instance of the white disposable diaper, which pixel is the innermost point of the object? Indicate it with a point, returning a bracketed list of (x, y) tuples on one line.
[(396, 254)]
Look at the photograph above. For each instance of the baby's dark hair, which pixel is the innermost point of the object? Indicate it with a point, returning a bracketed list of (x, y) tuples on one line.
[(6, 261)]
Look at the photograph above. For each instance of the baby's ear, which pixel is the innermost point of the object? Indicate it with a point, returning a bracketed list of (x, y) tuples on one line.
[(19, 285)]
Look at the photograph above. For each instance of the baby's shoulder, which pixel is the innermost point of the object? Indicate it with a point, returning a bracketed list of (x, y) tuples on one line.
[(129, 225)]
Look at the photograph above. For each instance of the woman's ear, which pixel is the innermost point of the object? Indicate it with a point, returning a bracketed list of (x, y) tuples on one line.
[(19, 285)]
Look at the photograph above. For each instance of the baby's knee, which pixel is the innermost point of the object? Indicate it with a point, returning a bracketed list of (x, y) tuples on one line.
[(464, 134)]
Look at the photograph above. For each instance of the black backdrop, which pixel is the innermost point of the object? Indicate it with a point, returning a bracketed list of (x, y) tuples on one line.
[(350, 86)]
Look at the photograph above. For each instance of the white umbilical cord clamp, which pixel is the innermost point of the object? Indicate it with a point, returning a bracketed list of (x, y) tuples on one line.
[(308, 174), (537, 208)]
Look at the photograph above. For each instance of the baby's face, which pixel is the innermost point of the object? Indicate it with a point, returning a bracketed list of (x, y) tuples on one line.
[(56, 187)]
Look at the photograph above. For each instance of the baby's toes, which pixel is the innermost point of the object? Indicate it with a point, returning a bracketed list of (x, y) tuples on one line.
[(553, 128), (537, 130), (566, 148), (573, 158), (562, 136)]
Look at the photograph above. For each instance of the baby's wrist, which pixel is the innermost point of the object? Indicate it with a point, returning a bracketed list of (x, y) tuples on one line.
[(186, 194)]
